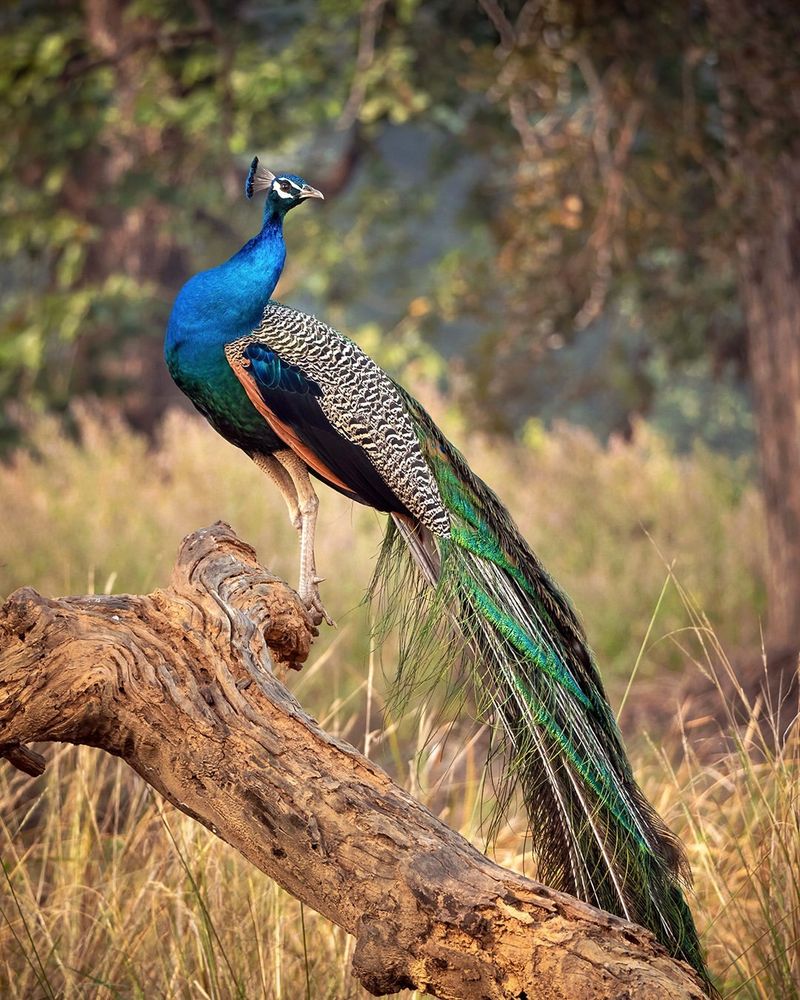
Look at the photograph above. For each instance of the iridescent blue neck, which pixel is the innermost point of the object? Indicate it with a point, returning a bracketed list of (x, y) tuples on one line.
[(250, 276), (220, 305)]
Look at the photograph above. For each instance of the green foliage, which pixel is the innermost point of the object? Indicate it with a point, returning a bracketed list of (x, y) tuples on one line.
[(531, 192), (122, 124), (610, 206)]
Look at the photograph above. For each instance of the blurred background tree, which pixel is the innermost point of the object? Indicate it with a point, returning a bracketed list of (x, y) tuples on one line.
[(585, 210)]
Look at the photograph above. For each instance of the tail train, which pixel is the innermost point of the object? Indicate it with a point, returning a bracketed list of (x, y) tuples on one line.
[(594, 835)]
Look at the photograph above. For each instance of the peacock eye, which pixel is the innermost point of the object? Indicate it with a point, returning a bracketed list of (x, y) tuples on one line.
[(286, 186)]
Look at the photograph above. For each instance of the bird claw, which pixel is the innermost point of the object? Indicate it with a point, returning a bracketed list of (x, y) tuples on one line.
[(314, 605)]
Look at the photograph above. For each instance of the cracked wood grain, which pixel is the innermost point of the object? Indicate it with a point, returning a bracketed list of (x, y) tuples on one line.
[(181, 685)]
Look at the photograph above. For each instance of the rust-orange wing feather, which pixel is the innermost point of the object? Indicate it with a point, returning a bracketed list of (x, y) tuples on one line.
[(289, 402)]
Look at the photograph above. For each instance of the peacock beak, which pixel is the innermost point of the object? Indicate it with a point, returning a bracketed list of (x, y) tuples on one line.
[(308, 192)]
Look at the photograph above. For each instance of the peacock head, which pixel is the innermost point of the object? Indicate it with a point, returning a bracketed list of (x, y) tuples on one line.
[(284, 191)]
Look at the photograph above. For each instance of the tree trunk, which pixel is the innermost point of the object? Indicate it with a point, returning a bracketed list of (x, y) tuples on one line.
[(138, 239), (769, 263), (759, 52), (180, 685)]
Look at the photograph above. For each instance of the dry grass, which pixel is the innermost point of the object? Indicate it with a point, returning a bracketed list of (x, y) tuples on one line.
[(738, 814), (109, 893), (106, 514)]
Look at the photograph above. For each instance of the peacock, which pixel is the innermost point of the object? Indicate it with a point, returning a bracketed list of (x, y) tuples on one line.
[(303, 400)]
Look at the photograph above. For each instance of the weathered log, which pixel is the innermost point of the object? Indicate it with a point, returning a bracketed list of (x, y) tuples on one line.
[(180, 684)]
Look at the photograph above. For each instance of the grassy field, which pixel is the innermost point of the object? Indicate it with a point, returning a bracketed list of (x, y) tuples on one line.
[(108, 892)]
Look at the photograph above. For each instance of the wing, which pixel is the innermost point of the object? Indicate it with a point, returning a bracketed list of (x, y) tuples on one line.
[(289, 402), (339, 411)]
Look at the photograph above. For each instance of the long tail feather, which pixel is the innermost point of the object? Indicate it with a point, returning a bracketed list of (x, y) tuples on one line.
[(485, 592)]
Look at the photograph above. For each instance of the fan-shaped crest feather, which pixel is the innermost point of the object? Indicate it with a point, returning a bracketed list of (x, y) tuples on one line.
[(258, 179)]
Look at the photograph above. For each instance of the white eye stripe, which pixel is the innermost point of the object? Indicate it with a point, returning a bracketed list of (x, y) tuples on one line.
[(276, 184)]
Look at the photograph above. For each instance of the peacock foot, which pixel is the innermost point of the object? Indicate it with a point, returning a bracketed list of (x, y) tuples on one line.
[(309, 594)]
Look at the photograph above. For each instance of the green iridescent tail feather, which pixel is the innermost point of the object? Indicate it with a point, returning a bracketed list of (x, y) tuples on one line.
[(493, 608)]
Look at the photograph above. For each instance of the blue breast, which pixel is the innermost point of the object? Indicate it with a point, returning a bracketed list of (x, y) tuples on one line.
[(213, 309)]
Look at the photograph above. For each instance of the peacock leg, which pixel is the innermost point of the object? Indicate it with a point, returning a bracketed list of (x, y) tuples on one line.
[(276, 472), (308, 502)]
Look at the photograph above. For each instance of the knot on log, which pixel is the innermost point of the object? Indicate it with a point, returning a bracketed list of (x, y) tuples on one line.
[(179, 683), (215, 561)]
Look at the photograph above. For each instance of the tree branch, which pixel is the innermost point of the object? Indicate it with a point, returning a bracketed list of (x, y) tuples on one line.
[(180, 684)]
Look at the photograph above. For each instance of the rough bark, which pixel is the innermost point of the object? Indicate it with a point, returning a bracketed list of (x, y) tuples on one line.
[(760, 91), (179, 683)]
